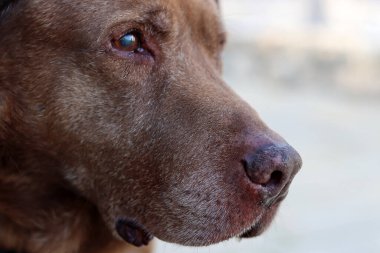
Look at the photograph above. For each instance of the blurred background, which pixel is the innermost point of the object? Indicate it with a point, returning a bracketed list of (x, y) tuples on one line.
[(311, 68)]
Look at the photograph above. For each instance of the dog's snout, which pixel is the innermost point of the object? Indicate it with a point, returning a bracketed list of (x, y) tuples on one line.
[(273, 168)]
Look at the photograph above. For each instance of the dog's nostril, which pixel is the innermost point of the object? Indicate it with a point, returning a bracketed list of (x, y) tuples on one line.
[(272, 167), (275, 179)]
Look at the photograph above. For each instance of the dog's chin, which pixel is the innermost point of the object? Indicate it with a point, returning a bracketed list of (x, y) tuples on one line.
[(138, 235), (257, 227), (264, 220), (260, 225)]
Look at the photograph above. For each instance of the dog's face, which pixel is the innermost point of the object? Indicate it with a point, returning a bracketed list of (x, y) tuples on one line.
[(127, 95)]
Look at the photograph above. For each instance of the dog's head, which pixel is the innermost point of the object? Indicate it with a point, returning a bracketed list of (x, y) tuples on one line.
[(127, 97)]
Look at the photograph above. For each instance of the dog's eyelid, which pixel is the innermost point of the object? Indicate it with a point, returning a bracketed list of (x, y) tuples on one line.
[(130, 41), (146, 28)]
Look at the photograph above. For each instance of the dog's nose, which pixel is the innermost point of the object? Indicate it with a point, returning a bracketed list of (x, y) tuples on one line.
[(273, 167)]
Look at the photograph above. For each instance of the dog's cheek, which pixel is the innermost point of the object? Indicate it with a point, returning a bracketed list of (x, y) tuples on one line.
[(4, 115), (9, 114)]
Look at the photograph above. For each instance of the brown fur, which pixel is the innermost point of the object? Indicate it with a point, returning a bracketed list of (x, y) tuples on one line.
[(88, 136)]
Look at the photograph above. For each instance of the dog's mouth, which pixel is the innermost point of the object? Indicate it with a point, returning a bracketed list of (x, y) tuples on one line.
[(133, 232), (136, 234), (263, 221)]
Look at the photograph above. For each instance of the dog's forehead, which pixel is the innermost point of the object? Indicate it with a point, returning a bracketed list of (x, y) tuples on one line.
[(90, 22), (136, 5), (105, 10), (201, 17)]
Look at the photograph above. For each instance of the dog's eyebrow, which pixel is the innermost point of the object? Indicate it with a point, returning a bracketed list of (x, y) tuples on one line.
[(157, 18)]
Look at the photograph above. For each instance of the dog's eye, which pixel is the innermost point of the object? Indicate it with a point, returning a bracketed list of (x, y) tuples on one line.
[(130, 42)]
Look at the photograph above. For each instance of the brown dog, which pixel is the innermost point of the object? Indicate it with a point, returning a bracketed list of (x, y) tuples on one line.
[(115, 124)]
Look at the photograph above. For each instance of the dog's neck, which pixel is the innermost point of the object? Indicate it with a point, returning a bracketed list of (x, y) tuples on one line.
[(7, 251), (39, 213), (31, 202)]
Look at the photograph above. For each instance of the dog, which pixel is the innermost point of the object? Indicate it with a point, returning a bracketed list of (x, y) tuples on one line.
[(116, 127)]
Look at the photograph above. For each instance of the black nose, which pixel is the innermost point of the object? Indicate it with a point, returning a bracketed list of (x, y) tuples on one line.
[(273, 167)]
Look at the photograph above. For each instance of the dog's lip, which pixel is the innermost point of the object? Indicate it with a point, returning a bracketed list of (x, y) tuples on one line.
[(259, 225), (270, 206), (133, 232), (252, 232), (280, 197), (277, 198)]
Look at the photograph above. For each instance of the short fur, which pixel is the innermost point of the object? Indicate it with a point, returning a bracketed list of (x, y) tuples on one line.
[(89, 135)]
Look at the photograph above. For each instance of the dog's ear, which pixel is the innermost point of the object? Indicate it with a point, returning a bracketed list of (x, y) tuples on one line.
[(4, 6)]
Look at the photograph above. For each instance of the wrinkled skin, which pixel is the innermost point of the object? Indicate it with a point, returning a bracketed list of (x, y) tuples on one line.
[(99, 145)]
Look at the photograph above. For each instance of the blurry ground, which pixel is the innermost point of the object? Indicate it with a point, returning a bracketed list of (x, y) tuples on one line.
[(313, 75)]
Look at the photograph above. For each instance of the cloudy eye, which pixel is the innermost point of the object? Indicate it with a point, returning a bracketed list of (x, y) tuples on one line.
[(130, 42)]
